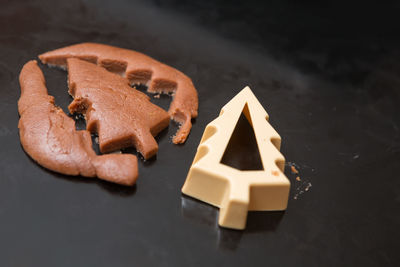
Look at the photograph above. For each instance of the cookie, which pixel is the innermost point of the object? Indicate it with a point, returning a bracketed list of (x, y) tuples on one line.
[(49, 136), (121, 115), (138, 69)]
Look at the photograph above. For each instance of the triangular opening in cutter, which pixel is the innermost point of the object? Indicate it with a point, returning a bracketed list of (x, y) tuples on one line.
[(242, 151)]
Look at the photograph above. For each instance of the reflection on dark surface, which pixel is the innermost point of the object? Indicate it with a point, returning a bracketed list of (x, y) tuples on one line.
[(229, 239), (199, 211), (242, 150), (116, 189)]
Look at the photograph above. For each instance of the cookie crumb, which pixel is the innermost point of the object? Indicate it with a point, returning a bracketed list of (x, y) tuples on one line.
[(308, 187), (298, 178), (294, 170), (275, 173)]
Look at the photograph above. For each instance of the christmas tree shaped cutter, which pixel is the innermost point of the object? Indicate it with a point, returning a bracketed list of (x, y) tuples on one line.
[(232, 190)]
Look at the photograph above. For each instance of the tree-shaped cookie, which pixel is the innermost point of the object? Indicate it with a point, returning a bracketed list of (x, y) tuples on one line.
[(121, 115)]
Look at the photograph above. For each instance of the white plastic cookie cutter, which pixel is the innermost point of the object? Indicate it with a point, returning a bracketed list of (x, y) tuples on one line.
[(235, 191)]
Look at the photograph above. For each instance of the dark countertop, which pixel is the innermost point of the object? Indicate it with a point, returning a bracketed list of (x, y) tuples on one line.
[(327, 74)]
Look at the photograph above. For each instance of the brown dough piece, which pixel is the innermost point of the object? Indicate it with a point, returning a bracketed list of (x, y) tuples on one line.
[(48, 135), (121, 115), (139, 69)]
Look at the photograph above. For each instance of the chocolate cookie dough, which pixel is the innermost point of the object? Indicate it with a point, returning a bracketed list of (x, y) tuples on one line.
[(139, 69), (48, 135), (121, 115)]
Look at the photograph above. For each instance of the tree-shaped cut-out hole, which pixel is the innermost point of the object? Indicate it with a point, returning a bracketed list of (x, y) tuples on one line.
[(242, 151)]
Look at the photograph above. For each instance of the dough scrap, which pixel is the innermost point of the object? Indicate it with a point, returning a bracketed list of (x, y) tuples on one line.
[(49, 136), (138, 69)]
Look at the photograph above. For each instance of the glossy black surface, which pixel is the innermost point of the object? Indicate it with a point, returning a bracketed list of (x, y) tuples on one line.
[(242, 151), (327, 74)]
